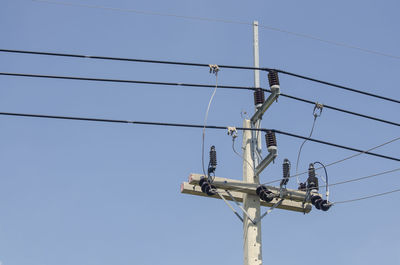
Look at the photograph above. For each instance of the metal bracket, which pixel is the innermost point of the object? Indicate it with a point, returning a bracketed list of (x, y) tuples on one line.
[(230, 206), (240, 206), (270, 209)]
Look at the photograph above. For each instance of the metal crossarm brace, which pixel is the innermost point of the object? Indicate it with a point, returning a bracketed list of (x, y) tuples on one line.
[(270, 210)]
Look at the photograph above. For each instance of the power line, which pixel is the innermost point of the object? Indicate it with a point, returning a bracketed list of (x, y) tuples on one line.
[(341, 110), (203, 65), (192, 126), (332, 144), (227, 21), (368, 197), (361, 178), (338, 86), (340, 160), (194, 85), (128, 59)]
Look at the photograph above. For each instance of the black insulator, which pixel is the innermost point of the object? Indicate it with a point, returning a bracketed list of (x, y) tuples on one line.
[(312, 181), (264, 193), (202, 180), (302, 186), (206, 187), (324, 205), (270, 138), (286, 171), (259, 97), (273, 78), (213, 160), (314, 198), (318, 203)]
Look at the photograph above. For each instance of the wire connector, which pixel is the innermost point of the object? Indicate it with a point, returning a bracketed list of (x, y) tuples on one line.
[(318, 109), (214, 69), (232, 131)]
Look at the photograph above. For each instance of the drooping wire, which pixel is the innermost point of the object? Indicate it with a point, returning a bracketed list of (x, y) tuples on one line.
[(316, 115), (213, 69)]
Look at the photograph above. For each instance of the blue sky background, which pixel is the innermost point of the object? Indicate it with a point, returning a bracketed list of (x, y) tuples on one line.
[(89, 193)]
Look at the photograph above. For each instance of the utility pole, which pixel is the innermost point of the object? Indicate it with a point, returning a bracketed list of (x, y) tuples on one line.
[(251, 152), (249, 191)]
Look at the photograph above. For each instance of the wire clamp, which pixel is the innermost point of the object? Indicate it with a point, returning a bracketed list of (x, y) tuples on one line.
[(232, 131), (318, 109), (213, 68)]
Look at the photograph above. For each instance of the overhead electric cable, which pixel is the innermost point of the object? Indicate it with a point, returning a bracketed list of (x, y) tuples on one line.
[(368, 197), (338, 86), (193, 126), (360, 178), (340, 160), (340, 110), (193, 85), (202, 65), (227, 21), (332, 144), (127, 59)]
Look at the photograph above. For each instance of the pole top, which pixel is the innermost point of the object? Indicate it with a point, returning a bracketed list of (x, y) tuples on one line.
[(255, 23)]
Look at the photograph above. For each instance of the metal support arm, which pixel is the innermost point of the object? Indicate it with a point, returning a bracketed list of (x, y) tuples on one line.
[(273, 153), (261, 110)]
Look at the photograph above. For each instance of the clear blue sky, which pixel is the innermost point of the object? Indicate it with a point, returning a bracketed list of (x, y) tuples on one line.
[(95, 194)]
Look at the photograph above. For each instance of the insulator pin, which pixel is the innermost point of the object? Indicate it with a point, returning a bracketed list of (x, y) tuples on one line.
[(273, 78)]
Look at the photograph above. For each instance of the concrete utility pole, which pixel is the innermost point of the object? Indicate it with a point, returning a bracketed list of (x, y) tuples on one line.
[(248, 190), (251, 152)]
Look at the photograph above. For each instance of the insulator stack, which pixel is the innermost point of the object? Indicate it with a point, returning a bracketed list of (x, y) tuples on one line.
[(286, 171), (213, 160), (312, 181), (264, 193), (273, 78), (207, 187), (270, 138), (259, 97)]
